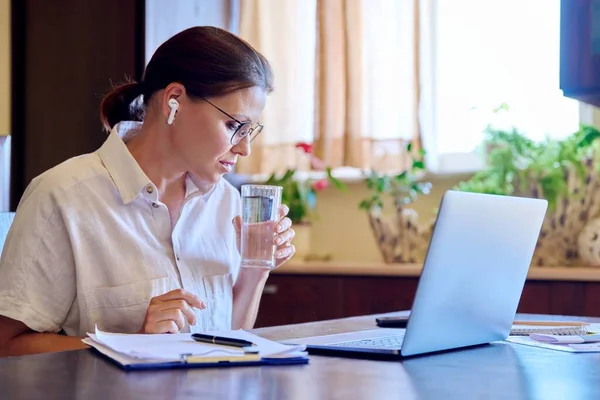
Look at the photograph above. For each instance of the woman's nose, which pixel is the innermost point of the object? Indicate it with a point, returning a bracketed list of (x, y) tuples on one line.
[(243, 147)]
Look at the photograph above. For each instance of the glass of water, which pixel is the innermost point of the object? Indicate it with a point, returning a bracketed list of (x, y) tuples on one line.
[(260, 213)]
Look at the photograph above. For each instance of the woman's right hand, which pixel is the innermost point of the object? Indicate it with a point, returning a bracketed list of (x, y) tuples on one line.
[(167, 313)]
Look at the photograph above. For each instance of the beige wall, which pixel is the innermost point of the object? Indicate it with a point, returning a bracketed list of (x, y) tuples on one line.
[(343, 230), (4, 67)]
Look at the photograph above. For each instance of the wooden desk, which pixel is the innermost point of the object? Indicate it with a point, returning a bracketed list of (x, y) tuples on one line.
[(497, 371)]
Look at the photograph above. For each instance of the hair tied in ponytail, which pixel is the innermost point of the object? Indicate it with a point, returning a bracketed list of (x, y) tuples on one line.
[(122, 104)]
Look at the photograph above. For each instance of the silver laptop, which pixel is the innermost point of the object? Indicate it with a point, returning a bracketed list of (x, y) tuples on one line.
[(473, 275)]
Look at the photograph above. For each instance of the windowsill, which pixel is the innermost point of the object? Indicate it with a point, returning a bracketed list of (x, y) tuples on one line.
[(358, 177), (344, 174), (450, 166), (459, 163)]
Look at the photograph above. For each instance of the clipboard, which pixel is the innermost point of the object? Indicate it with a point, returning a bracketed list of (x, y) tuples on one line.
[(218, 359)]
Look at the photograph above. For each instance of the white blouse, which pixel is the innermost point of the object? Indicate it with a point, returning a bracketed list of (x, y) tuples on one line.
[(91, 244)]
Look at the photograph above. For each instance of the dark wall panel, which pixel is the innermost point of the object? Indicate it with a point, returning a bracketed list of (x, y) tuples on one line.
[(65, 55)]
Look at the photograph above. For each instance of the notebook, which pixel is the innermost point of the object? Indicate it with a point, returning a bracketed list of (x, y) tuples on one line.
[(167, 351), (526, 328)]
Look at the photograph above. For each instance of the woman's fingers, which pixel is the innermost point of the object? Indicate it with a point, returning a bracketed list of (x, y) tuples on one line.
[(169, 312), (182, 305), (163, 327), (174, 314), (285, 237), (180, 294), (283, 211), (283, 225), (284, 253)]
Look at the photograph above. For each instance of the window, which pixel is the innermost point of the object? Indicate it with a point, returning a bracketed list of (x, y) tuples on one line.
[(474, 55), (486, 53)]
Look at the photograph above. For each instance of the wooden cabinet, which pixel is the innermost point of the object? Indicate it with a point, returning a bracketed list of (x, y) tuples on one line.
[(290, 299), (372, 295), (580, 50)]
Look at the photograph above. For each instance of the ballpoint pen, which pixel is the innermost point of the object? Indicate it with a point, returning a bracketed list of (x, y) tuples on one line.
[(198, 337)]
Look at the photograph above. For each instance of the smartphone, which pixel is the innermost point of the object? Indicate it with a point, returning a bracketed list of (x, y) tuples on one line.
[(392, 322)]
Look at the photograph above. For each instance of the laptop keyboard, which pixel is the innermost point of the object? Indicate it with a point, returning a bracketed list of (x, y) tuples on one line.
[(388, 342)]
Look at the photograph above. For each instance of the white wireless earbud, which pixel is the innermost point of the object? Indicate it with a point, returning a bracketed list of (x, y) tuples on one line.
[(174, 106)]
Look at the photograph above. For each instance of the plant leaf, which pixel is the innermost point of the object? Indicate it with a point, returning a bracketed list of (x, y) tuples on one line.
[(334, 181), (418, 164)]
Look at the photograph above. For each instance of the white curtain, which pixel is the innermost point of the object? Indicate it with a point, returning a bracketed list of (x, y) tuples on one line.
[(346, 78), (383, 85), (285, 33), (427, 112)]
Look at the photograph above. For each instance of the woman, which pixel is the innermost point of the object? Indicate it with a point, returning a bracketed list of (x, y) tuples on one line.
[(142, 235)]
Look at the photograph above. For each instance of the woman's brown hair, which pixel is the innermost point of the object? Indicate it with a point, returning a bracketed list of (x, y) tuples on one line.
[(208, 61)]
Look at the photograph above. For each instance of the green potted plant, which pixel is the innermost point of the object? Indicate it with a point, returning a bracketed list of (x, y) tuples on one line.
[(403, 188), (514, 161), (564, 172), (301, 197), (400, 239)]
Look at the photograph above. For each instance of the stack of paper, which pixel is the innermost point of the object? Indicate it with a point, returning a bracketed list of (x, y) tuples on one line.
[(170, 350)]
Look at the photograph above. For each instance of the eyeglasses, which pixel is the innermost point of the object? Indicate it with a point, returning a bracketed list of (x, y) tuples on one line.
[(244, 129)]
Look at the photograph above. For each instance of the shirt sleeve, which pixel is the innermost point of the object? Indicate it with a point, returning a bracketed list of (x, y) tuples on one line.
[(37, 268)]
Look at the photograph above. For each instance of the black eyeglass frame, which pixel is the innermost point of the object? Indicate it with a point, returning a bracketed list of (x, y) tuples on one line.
[(258, 128)]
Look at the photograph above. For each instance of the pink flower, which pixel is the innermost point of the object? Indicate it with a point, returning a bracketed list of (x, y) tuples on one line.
[(317, 164), (320, 184), (306, 147)]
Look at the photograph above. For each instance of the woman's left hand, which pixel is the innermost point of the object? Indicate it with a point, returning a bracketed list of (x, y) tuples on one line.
[(284, 234)]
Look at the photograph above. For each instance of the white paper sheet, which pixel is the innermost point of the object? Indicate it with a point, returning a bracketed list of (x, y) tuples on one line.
[(267, 348), (565, 339), (171, 347), (161, 347), (571, 348)]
